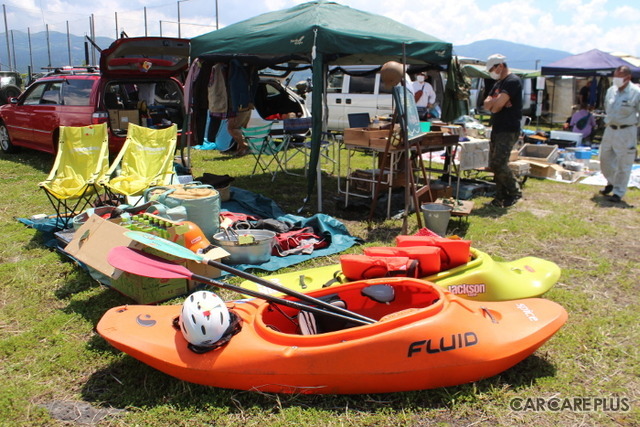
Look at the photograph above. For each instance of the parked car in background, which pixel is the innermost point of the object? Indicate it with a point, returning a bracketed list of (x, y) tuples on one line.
[(357, 89), (10, 85), (136, 83)]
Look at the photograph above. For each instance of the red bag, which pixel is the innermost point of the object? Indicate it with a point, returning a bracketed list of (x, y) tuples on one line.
[(417, 95), (303, 240)]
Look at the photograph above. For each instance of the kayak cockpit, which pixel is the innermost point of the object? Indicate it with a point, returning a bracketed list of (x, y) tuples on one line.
[(410, 298)]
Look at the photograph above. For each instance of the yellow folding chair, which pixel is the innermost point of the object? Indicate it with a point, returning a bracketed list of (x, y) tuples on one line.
[(81, 162), (145, 160), (267, 151)]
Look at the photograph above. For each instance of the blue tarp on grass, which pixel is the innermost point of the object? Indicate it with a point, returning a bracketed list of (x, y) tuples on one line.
[(247, 202)]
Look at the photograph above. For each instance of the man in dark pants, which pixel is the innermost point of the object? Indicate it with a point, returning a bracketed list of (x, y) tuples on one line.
[(505, 103)]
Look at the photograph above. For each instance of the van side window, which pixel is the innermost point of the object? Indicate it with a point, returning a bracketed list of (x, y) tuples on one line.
[(362, 84), (334, 84)]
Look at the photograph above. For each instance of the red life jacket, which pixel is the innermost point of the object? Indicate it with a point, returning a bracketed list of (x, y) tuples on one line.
[(455, 252), (359, 267), (428, 257)]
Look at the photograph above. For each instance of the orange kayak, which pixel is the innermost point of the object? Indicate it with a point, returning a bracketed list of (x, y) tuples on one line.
[(424, 338)]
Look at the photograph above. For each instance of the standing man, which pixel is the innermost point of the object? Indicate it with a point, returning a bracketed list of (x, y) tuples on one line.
[(505, 103), (618, 147)]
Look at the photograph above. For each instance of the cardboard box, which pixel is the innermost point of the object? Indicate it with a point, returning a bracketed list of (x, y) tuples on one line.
[(539, 153), (543, 170), (128, 116), (520, 167), (92, 243), (114, 119), (120, 119), (362, 136)]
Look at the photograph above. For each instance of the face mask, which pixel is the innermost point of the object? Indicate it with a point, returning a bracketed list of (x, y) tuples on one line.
[(494, 75), (420, 79), (618, 81)]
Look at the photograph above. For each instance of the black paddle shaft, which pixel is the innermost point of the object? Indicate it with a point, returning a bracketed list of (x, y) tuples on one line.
[(303, 297), (277, 300)]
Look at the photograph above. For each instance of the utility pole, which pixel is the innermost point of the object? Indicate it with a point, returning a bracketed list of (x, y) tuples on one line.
[(13, 50), (93, 39), (217, 14), (69, 45), (145, 21), (48, 46), (30, 52), (117, 36), (6, 33)]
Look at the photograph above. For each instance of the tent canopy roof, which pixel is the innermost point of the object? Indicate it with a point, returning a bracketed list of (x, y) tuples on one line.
[(345, 36), (591, 63), (476, 70)]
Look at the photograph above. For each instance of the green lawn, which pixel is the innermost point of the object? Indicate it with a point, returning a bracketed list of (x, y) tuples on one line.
[(52, 358)]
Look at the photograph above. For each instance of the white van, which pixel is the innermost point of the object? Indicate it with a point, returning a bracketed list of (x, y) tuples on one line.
[(360, 91)]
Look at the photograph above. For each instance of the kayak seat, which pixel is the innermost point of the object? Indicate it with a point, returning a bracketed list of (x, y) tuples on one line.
[(313, 324)]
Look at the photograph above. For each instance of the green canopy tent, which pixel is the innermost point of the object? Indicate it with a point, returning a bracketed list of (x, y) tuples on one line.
[(480, 71), (320, 33)]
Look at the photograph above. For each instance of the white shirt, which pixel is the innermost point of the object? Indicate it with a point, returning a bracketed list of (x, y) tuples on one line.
[(622, 107), (428, 94)]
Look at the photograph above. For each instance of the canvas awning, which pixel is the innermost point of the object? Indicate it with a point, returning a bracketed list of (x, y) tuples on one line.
[(592, 63)]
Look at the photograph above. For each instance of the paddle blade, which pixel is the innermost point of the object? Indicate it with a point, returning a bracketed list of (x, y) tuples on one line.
[(144, 264), (163, 245)]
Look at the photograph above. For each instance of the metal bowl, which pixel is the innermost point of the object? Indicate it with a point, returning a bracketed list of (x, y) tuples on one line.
[(257, 252)]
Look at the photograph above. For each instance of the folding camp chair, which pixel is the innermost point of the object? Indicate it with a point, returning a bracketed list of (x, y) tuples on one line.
[(296, 132), (81, 161), (267, 151), (145, 160)]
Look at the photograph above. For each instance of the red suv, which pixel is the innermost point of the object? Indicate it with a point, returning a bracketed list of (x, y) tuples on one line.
[(136, 83)]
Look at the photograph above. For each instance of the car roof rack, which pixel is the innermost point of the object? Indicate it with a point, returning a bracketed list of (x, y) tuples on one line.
[(72, 70)]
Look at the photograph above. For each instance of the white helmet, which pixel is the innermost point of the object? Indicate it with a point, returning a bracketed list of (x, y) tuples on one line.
[(204, 318)]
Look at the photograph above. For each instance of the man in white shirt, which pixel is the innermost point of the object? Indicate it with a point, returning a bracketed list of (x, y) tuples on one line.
[(618, 147), (427, 98)]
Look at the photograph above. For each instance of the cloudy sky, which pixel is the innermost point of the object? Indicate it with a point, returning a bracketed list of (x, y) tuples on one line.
[(571, 25)]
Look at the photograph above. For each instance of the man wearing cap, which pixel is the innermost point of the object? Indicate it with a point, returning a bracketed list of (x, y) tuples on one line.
[(505, 103), (618, 147)]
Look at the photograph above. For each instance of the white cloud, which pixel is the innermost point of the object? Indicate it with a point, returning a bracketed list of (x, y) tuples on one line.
[(571, 25)]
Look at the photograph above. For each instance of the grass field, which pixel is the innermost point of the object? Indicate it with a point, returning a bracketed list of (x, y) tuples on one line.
[(56, 370)]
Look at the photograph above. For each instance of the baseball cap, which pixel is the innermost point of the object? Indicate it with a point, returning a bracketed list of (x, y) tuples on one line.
[(495, 59)]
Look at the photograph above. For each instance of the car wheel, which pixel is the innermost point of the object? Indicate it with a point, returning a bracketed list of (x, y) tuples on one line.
[(5, 140)]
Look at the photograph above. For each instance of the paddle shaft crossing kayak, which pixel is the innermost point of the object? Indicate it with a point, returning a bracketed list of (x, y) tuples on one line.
[(481, 279), (424, 338)]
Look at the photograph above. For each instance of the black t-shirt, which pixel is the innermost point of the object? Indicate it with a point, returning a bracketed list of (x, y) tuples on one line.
[(508, 119)]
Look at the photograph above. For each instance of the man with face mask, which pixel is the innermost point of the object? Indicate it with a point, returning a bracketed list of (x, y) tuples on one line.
[(505, 103), (618, 147)]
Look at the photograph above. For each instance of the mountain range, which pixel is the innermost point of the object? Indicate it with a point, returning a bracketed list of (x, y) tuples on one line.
[(518, 55), (56, 52)]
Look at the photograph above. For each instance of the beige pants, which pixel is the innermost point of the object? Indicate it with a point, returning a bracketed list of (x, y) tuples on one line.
[(617, 153), (235, 125)]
